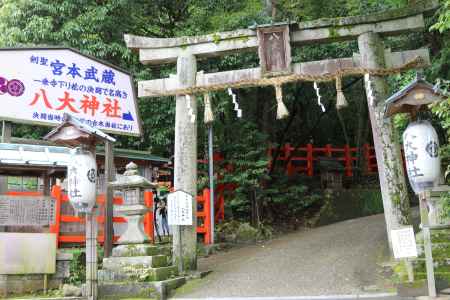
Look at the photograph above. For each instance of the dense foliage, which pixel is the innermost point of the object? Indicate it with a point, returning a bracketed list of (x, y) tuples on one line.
[(96, 27)]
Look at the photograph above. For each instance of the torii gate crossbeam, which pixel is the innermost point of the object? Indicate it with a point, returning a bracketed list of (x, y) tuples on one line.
[(368, 30)]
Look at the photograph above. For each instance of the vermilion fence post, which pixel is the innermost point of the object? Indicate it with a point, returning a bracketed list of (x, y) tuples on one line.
[(366, 154), (328, 150), (348, 161), (55, 228), (269, 155), (310, 160), (207, 218), (148, 218), (287, 153)]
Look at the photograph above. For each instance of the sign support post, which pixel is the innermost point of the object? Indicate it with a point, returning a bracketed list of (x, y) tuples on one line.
[(427, 244), (109, 177), (180, 213)]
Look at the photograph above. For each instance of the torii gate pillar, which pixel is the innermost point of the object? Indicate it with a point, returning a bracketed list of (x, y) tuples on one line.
[(387, 148), (185, 165)]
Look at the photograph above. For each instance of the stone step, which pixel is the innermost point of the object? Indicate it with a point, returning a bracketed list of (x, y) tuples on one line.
[(158, 289), (118, 290), (135, 250), (123, 263), (138, 274)]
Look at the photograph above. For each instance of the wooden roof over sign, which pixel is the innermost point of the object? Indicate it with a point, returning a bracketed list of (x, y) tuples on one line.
[(414, 97)]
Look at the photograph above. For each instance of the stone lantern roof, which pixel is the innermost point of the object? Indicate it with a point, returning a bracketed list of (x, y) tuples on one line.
[(131, 179)]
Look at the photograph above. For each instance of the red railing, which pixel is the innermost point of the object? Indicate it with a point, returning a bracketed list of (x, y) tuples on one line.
[(303, 159), (204, 216), (60, 198)]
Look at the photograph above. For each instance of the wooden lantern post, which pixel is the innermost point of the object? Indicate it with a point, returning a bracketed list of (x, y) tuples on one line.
[(73, 133), (412, 99)]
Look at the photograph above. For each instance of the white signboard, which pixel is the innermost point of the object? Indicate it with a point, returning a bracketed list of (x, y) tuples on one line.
[(27, 253), (38, 85), (179, 208), (404, 242)]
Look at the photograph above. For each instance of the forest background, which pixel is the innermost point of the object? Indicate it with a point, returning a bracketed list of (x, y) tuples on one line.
[(96, 27)]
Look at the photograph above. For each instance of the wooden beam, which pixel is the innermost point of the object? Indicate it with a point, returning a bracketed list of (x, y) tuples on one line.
[(393, 22), (156, 87)]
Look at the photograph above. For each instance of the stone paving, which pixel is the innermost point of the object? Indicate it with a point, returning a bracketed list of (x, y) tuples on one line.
[(339, 259)]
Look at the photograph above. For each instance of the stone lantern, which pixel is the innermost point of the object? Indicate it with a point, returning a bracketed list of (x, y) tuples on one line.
[(132, 187)]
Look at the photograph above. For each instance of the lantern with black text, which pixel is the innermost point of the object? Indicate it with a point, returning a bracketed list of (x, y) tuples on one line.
[(82, 177), (421, 145)]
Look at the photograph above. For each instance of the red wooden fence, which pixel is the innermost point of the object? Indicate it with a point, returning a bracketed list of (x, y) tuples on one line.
[(60, 197), (303, 159), (203, 216)]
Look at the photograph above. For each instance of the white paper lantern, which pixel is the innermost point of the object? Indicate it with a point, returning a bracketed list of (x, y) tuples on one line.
[(423, 164), (82, 177)]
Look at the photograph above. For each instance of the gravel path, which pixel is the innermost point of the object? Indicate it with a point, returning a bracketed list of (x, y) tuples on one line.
[(338, 259)]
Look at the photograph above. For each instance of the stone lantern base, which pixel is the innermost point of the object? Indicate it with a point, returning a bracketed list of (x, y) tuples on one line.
[(134, 233)]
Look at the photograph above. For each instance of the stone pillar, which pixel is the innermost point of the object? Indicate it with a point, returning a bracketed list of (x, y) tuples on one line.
[(385, 138), (185, 166)]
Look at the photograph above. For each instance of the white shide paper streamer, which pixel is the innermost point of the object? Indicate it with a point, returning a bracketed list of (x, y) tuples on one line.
[(319, 102), (236, 104)]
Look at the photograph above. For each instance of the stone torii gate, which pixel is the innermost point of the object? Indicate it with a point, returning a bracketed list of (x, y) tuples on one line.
[(369, 32)]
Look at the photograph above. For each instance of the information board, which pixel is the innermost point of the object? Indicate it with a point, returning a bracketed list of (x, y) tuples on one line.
[(38, 85), (179, 208), (27, 253), (404, 242)]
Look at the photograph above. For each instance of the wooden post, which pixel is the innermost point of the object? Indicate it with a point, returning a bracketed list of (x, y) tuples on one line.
[(46, 184), (424, 219), (6, 132), (185, 173), (310, 160), (6, 138), (91, 255), (149, 226), (109, 176), (387, 149), (348, 161), (287, 154), (55, 228), (207, 211), (328, 151)]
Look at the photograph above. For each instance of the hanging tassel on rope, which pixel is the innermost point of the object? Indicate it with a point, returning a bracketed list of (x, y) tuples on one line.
[(209, 117), (282, 111), (341, 102)]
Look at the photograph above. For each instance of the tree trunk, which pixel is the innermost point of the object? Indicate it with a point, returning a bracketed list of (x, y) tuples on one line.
[(185, 177), (387, 148)]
